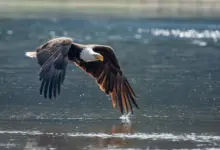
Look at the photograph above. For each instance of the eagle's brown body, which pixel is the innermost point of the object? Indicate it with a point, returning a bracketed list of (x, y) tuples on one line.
[(53, 58)]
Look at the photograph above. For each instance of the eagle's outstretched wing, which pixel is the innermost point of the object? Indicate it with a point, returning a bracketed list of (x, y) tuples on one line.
[(52, 57), (110, 78)]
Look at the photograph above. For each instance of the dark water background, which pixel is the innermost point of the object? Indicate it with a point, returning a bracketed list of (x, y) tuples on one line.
[(173, 66)]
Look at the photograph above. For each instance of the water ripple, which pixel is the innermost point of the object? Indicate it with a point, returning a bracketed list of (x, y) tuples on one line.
[(141, 136)]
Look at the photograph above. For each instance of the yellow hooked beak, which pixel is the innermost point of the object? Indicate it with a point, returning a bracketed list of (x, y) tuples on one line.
[(99, 57)]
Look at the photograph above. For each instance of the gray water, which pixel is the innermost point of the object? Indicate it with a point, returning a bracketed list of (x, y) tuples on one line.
[(172, 65)]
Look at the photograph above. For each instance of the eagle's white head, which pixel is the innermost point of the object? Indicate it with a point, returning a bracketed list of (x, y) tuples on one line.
[(87, 54)]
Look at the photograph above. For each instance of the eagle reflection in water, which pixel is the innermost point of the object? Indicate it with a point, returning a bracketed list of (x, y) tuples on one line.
[(62, 142)]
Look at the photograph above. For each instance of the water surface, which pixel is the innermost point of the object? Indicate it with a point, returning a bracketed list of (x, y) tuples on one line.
[(173, 66)]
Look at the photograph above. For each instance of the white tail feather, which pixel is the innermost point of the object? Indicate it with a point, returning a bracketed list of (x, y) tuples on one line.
[(31, 54)]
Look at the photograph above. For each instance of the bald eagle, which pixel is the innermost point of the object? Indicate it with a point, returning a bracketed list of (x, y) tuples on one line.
[(99, 61)]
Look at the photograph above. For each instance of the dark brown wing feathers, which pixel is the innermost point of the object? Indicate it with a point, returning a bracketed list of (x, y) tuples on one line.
[(120, 102), (113, 95), (124, 101), (53, 61), (110, 79)]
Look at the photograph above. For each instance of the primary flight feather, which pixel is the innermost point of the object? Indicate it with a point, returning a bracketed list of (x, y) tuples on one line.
[(99, 61)]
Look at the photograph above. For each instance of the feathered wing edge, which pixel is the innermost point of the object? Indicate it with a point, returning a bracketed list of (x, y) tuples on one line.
[(118, 87), (52, 77), (53, 62)]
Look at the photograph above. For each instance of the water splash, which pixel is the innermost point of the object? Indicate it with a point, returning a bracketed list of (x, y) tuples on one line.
[(126, 118)]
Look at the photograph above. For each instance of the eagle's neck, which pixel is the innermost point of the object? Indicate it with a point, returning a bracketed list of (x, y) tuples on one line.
[(74, 52), (82, 53)]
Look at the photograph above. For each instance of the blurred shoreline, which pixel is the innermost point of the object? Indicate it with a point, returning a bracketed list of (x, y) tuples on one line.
[(123, 8)]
